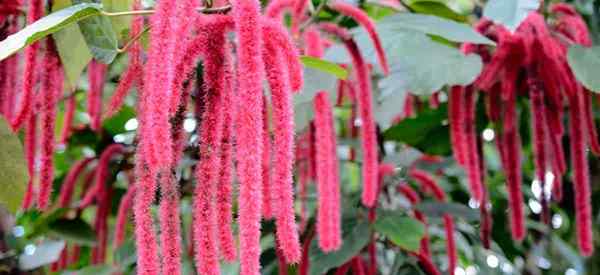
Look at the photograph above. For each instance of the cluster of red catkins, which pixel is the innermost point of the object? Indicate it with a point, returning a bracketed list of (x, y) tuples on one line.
[(531, 61), (239, 124)]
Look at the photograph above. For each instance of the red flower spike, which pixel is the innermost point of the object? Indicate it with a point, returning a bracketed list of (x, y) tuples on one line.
[(123, 216), (145, 236), (427, 265), (277, 34), (30, 152), (370, 165), (283, 147), (170, 237), (51, 86), (102, 173), (363, 19), (276, 8), (581, 180), (428, 183), (24, 110), (313, 44), (592, 133), (96, 76), (470, 139), (457, 123), (250, 72), (207, 170), (328, 188), (70, 108), (450, 243), (538, 123), (68, 185), (269, 197)]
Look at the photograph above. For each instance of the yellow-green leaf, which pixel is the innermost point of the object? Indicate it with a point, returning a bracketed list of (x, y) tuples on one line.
[(13, 169)]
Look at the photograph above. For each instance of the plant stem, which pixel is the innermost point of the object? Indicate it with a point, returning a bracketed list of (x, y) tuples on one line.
[(133, 40)]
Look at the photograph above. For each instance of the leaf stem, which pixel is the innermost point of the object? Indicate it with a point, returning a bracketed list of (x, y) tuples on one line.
[(205, 10), (133, 40)]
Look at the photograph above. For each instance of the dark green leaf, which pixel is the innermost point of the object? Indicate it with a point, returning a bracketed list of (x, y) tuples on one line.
[(100, 36), (427, 132), (46, 26), (439, 209), (569, 253), (76, 231), (72, 49), (116, 124), (403, 231), (126, 254), (324, 66), (434, 25), (314, 81), (120, 23), (13, 169), (355, 239), (509, 13), (585, 63), (437, 8), (44, 253)]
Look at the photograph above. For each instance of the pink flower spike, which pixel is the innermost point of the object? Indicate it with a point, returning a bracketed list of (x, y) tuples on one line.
[(145, 236), (363, 19), (277, 34), (313, 44), (250, 73), (328, 187), (96, 76), (71, 107), (170, 237), (269, 197), (123, 215), (283, 147), (68, 185)]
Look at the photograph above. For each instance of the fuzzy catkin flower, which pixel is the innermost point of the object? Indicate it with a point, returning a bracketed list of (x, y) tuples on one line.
[(96, 76), (363, 19), (328, 211), (581, 180), (102, 173), (277, 34), (470, 139), (283, 147), (51, 86), (70, 108), (170, 235), (30, 152), (250, 72), (269, 197), (313, 45), (592, 133), (24, 110), (145, 236), (225, 180), (122, 216), (538, 123), (456, 121), (68, 185), (205, 209)]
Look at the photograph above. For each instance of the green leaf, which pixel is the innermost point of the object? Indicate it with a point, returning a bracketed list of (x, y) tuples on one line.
[(76, 231), (427, 131), (13, 169), (126, 254), (434, 25), (509, 13), (100, 36), (403, 231), (46, 26), (116, 124), (436, 7), (72, 48), (314, 81), (324, 66), (92, 270), (439, 209), (353, 242), (120, 23), (44, 253), (585, 63)]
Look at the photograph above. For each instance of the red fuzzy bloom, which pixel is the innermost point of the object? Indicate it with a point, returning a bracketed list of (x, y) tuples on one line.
[(283, 146), (170, 237), (51, 86), (71, 107), (457, 123), (328, 187), (96, 76), (248, 122), (313, 44), (145, 236), (363, 19), (276, 34), (68, 185), (102, 173), (123, 216)]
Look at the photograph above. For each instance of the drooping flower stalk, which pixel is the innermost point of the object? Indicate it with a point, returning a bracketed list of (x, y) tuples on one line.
[(30, 143), (328, 189), (102, 173), (145, 235), (592, 133), (123, 216), (364, 20), (277, 34), (68, 185), (470, 139), (370, 164), (70, 108), (96, 76), (313, 45), (581, 181), (170, 237), (207, 170), (248, 122), (25, 107), (457, 123), (51, 86), (269, 197), (283, 142), (413, 197), (134, 72)]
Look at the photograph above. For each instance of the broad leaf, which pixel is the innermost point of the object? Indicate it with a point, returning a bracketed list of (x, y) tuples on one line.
[(430, 24), (120, 23), (427, 132), (585, 64), (44, 253), (72, 48), (509, 13), (353, 242), (314, 81), (126, 254), (438, 209), (46, 26), (439, 8), (13, 169), (100, 36), (324, 66), (403, 231), (76, 231)]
